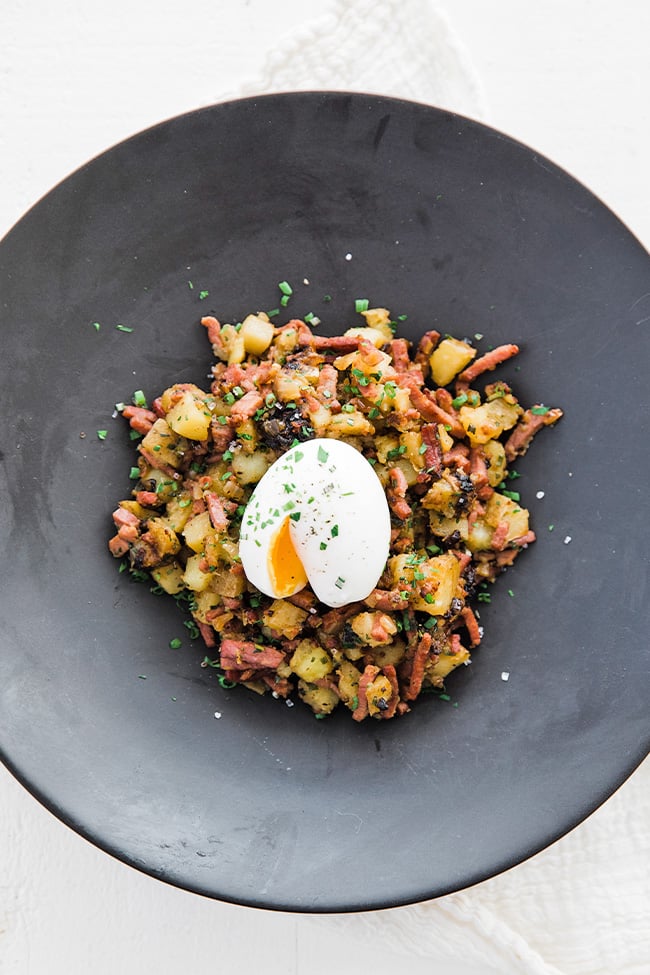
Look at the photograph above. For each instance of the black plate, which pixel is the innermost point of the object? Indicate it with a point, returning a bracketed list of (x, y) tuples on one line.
[(458, 227)]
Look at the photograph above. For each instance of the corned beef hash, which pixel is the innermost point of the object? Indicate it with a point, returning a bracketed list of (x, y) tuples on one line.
[(332, 508)]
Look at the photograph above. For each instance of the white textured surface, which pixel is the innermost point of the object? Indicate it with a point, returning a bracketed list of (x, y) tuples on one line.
[(570, 79)]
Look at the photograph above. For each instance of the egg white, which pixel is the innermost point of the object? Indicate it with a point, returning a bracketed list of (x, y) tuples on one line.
[(339, 521)]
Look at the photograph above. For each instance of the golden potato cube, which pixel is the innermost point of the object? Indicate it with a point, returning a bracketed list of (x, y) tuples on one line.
[(412, 441), (233, 343), (310, 661), (488, 421), (321, 700), (500, 508), (177, 512), (288, 386), (193, 577), (363, 624), (205, 602), (353, 424), (257, 332), (162, 443), (169, 577), (195, 531), (392, 653), (495, 457), (442, 496), (190, 417), (429, 584), (349, 678), (447, 662), (373, 335), (379, 319), (448, 359), (378, 694), (284, 618), (227, 583), (250, 468)]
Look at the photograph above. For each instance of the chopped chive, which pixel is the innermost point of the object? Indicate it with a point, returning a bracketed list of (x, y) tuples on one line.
[(322, 455), (339, 582), (139, 399), (96, 326), (123, 328), (175, 643), (361, 304), (323, 546), (102, 434), (540, 410), (295, 516), (459, 400), (284, 300), (227, 455), (335, 531), (327, 297), (190, 285), (513, 495), (285, 288), (184, 502), (273, 313), (203, 295)]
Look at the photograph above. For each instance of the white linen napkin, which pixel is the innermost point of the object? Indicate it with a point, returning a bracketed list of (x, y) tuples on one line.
[(582, 907)]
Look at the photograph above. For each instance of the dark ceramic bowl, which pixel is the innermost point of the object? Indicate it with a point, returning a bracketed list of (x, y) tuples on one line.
[(459, 228)]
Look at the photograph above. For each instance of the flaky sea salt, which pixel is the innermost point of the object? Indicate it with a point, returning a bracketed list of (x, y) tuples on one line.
[(539, 495), (567, 539), (348, 257), (505, 675), (217, 714)]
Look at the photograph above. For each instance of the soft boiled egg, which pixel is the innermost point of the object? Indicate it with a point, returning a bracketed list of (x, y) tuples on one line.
[(319, 515)]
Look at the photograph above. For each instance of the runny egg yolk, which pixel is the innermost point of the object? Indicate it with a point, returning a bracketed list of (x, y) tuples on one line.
[(286, 571)]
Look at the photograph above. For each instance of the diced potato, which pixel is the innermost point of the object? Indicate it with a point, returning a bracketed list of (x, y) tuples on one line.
[(205, 602), (137, 510), (495, 457), (319, 418), (384, 444), (177, 512), (442, 496), (447, 662), (485, 422), (353, 424), (379, 319), (500, 508), (284, 619), (374, 629), (288, 386), (190, 417), (321, 700), (448, 359), (443, 526), (257, 332), (378, 694), (412, 441), (233, 342), (227, 583), (162, 537), (220, 548), (310, 661), (373, 364), (163, 485), (392, 653), (169, 577), (479, 536), (445, 439), (196, 530), (373, 335), (193, 577), (247, 434), (286, 340), (349, 678), (250, 468), (430, 584), (163, 443)]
